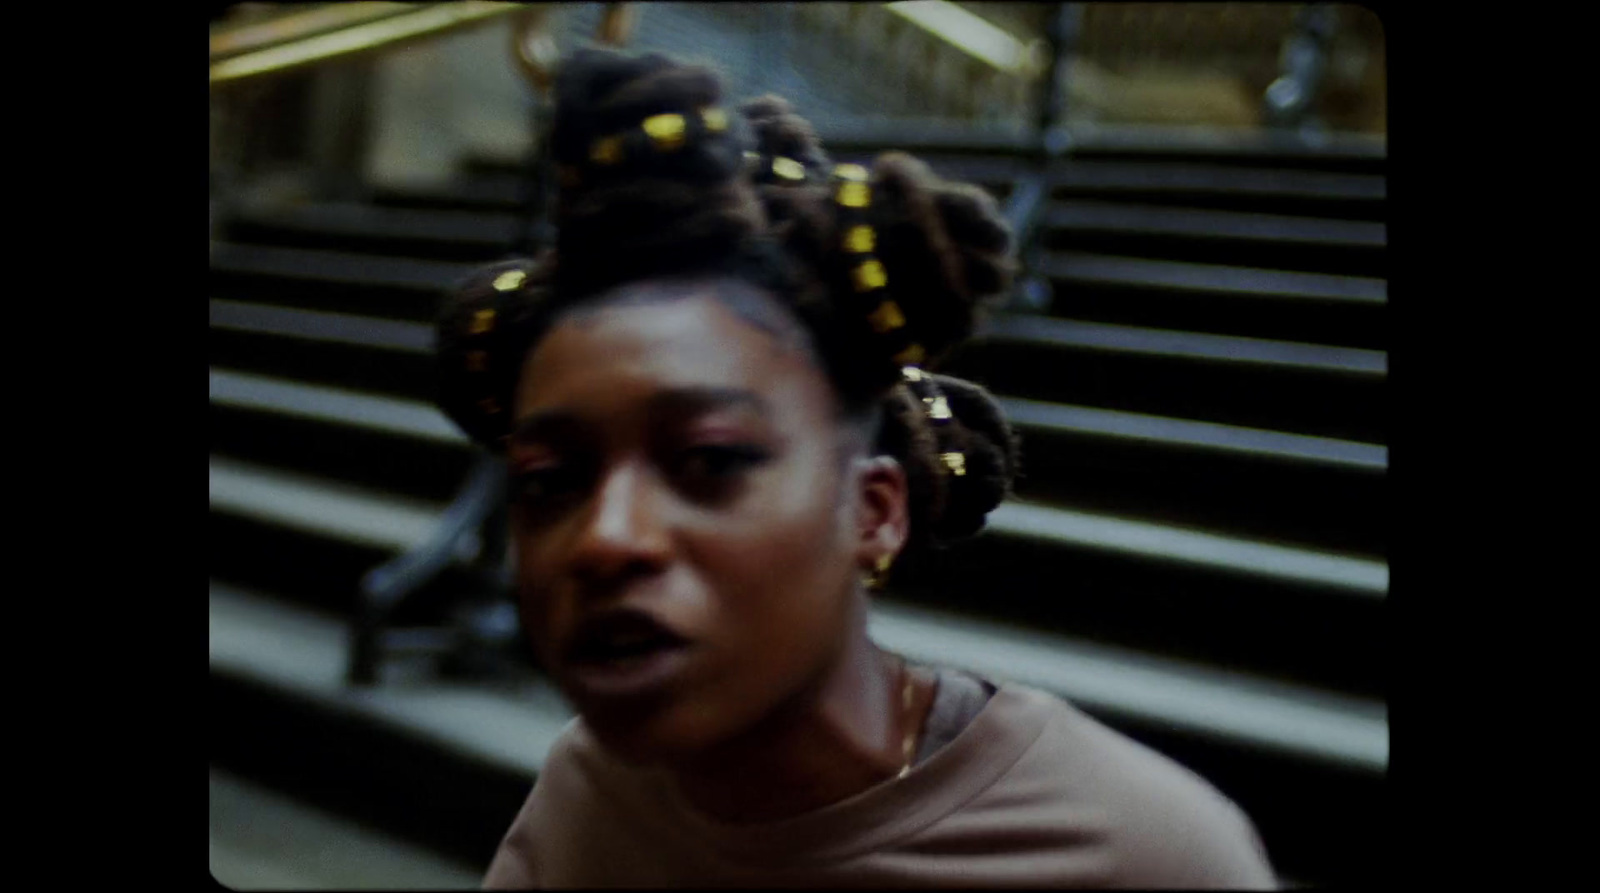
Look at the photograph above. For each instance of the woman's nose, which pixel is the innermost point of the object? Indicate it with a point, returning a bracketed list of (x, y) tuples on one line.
[(623, 532)]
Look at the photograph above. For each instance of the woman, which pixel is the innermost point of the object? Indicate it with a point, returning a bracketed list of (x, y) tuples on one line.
[(712, 399)]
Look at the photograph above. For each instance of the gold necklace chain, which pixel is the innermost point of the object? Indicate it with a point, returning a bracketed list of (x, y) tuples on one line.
[(906, 691)]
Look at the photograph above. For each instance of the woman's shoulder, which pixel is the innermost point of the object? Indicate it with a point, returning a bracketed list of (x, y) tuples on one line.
[(1159, 821)]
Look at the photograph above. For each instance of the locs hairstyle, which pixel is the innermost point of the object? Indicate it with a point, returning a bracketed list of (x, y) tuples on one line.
[(885, 271)]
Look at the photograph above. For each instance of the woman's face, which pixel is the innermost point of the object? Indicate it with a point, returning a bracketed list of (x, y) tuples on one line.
[(685, 521)]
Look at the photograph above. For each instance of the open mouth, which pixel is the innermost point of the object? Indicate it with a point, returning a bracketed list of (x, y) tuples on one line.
[(621, 638), (623, 656)]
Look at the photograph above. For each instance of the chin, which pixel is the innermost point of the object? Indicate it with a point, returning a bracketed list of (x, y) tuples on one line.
[(655, 736)]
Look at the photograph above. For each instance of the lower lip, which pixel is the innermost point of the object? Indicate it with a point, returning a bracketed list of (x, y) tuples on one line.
[(629, 677)]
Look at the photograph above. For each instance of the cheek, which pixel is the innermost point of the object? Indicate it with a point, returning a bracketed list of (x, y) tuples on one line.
[(786, 553), (541, 611)]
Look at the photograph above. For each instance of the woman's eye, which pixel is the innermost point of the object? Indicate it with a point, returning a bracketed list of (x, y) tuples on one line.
[(535, 486), (714, 462)]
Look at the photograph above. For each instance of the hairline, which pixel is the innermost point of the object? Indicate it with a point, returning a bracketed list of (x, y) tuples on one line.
[(751, 302)]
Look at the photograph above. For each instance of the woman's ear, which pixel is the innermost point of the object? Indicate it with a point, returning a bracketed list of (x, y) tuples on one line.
[(882, 520)]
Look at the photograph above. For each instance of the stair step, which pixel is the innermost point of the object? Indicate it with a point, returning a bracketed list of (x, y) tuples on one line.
[(319, 506), (301, 650), (438, 235), (398, 523), (1246, 482), (1232, 147), (277, 682), (1304, 492), (315, 325), (1205, 224), (1308, 389), (1185, 433), (334, 281), (371, 441), (266, 839), (1081, 268), (1345, 311), (1134, 583), (1190, 345), (1255, 383), (1267, 241), (408, 418), (1363, 577), (1156, 177)]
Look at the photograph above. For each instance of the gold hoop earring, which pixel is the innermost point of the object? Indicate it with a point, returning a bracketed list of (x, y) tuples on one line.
[(880, 574)]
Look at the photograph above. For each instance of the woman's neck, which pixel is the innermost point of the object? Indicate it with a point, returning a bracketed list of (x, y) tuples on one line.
[(836, 740)]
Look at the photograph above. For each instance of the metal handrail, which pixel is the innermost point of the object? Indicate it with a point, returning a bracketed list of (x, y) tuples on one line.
[(479, 507), (1289, 99), (337, 31), (233, 39), (473, 512), (1023, 211), (309, 41), (537, 58)]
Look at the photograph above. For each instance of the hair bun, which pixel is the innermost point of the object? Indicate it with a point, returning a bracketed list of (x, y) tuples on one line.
[(478, 349), (945, 246), (787, 150), (652, 170), (989, 457), (921, 256)]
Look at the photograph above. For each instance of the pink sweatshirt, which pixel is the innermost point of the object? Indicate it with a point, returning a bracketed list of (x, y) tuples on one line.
[(1032, 792)]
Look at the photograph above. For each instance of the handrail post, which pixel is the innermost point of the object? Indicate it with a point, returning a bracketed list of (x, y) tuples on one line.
[(1061, 33), (1289, 99), (536, 231), (1033, 292), (480, 501), (537, 57)]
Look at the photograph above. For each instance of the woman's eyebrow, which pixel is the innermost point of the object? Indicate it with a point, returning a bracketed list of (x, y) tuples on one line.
[(697, 400), (545, 425), (672, 403)]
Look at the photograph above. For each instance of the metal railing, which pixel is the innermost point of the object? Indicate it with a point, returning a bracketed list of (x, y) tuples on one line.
[(473, 530), (317, 36), (1288, 100)]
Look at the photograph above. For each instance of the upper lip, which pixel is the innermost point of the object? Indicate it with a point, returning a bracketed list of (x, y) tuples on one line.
[(594, 635)]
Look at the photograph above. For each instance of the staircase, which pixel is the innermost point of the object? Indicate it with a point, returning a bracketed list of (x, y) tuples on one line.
[(1196, 553)]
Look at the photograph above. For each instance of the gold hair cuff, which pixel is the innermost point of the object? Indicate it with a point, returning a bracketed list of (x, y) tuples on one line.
[(854, 195), (870, 275), (860, 240), (666, 131), (482, 321), (607, 150), (911, 356), (938, 412), (510, 280), (887, 317), (788, 169)]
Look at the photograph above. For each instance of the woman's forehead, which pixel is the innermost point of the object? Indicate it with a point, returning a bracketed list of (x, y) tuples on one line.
[(632, 348)]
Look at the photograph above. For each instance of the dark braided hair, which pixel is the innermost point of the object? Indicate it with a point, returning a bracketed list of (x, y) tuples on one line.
[(882, 270)]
